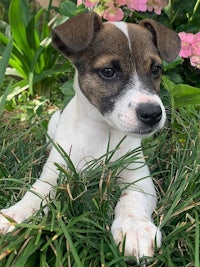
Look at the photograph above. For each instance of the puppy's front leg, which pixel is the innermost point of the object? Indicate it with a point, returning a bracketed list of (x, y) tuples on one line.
[(36, 197), (133, 212)]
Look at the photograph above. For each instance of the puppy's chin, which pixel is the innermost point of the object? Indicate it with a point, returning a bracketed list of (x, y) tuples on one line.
[(142, 133)]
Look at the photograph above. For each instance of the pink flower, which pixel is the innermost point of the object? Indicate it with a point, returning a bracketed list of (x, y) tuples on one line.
[(79, 2), (113, 13), (196, 44), (138, 5), (109, 3), (190, 47), (91, 3), (195, 61), (157, 5), (186, 40), (120, 2), (113, 9), (187, 37)]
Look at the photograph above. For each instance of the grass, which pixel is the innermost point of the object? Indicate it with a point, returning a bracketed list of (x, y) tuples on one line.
[(76, 232)]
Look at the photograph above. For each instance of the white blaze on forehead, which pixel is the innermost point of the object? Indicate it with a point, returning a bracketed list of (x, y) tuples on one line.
[(124, 28)]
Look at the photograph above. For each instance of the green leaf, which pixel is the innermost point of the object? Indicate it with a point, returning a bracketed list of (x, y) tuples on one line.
[(4, 60), (3, 65), (182, 94), (173, 64), (16, 64), (185, 90), (185, 95), (4, 39), (168, 84), (18, 88), (68, 9), (3, 98), (67, 88), (81, 9), (18, 20), (31, 31), (183, 101)]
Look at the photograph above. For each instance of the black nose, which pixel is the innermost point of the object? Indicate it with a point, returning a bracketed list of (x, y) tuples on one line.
[(150, 114)]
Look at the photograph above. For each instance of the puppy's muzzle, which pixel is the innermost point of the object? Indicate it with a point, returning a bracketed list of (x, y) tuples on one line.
[(149, 114)]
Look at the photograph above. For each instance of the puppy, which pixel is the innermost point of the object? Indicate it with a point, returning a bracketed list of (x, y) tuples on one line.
[(117, 80)]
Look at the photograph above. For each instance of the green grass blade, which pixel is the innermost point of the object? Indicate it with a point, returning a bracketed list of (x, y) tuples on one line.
[(197, 237), (71, 245), (175, 202)]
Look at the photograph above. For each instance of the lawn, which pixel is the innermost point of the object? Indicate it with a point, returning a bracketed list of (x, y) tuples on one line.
[(76, 232)]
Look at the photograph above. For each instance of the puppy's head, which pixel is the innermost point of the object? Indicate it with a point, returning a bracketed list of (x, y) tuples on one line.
[(119, 68)]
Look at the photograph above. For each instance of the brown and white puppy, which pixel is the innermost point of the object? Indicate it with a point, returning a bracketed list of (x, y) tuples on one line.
[(118, 73)]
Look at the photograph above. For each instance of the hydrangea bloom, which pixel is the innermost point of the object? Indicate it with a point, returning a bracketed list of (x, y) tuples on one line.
[(186, 40), (112, 10), (138, 5), (190, 47), (91, 3), (156, 5), (120, 2)]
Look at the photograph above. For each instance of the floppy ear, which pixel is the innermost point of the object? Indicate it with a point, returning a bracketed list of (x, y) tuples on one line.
[(167, 41), (76, 33)]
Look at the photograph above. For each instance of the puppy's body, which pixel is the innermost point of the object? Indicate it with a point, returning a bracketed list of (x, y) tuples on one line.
[(118, 70)]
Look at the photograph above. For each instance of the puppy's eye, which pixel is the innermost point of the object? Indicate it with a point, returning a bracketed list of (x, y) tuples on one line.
[(156, 70), (108, 73)]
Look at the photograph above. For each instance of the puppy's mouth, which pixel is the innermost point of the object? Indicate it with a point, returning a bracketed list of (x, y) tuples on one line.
[(144, 132), (132, 125)]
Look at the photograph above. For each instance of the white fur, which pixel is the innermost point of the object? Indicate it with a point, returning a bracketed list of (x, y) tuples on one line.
[(83, 133), (124, 116), (86, 136), (124, 28)]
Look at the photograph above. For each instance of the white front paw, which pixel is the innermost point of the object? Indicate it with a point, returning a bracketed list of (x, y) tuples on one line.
[(11, 216), (140, 235)]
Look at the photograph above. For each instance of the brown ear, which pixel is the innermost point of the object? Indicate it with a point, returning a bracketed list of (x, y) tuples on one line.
[(76, 33), (167, 41)]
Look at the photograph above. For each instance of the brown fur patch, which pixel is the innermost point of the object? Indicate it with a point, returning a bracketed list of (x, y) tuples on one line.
[(110, 49)]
